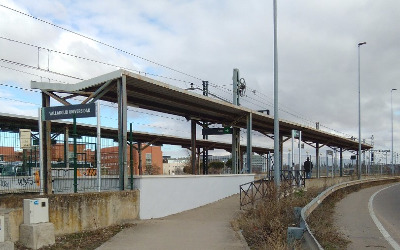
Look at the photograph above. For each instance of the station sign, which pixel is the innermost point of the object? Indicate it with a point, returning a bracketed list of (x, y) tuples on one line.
[(296, 133), (68, 112), (217, 131)]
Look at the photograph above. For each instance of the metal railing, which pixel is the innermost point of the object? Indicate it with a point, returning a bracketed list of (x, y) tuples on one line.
[(256, 190)]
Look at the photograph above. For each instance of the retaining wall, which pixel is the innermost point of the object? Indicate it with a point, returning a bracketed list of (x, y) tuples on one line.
[(326, 181), (72, 213), (165, 195)]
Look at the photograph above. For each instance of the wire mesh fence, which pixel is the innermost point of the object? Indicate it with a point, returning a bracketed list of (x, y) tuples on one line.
[(20, 171)]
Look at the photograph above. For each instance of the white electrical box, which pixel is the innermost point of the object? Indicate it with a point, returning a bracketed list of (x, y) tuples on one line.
[(2, 228), (36, 210)]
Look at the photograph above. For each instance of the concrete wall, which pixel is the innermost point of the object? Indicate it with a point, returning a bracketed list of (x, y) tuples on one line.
[(71, 213), (165, 195), (326, 181)]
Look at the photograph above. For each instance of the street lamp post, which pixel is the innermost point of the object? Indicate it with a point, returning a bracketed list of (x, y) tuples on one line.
[(391, 112), (359, 112)]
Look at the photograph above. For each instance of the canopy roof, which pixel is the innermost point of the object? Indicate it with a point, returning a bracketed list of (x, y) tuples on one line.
[(147, 93)]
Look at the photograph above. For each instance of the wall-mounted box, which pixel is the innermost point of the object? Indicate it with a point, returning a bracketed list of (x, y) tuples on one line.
[(36, 210)]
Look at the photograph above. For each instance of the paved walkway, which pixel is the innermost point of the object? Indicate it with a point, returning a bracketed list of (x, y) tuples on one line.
[(206, 227)]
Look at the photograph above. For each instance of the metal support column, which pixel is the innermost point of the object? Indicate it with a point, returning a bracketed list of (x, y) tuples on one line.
[(98, 146), (341, 161), (140, 158), (41, 153), (47, 177), (235, 150), (131, 154), (122, 132), (75, 156), (280, 153), (317, 160), (193, 138), (277, 164), (66, 147), (249, 142), (235, 131), (205, 137)]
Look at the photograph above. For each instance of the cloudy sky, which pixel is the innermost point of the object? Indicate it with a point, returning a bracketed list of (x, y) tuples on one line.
[(182, 41)]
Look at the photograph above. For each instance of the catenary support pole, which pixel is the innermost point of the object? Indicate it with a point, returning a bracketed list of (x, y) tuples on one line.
[(235, 131), (276, 114), (359, 114)]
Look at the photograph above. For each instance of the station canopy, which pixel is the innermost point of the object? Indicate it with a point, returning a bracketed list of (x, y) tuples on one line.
[(147, 93)]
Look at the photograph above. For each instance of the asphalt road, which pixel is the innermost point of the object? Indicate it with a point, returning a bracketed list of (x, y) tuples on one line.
[(370, 218)]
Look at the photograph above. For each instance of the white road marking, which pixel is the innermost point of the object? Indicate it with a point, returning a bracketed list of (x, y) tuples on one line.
[(385, 234)]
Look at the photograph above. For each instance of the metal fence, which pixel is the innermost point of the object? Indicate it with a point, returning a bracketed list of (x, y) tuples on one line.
[(20, 171), (257, 190)]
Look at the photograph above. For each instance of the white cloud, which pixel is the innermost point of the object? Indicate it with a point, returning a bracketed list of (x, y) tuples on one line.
[(207, 39)]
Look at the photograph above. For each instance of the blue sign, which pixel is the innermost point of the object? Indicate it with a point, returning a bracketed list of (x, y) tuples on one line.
[(68, 112)]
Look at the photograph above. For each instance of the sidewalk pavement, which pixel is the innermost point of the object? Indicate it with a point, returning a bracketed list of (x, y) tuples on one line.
[(206, 227)]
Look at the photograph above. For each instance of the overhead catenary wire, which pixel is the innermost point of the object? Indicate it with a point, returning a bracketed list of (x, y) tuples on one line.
[(24, 72), (37, 68), (93, 60), (175, 79), (100, 42)]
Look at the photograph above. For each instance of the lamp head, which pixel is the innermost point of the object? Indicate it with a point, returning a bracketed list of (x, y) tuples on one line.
[(362, 44), (394, 89)]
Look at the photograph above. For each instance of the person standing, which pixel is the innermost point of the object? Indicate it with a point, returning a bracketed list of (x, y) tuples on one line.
[(308, 168)]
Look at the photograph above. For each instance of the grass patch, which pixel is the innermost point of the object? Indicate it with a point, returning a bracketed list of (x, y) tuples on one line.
[(265, 225), (321, 221), (86, 240)]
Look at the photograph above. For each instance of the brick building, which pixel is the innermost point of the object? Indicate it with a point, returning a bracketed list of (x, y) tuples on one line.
[(152, 161)]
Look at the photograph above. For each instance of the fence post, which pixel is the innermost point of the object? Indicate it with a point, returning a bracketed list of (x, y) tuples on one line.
[(75, 163), (131, 154)]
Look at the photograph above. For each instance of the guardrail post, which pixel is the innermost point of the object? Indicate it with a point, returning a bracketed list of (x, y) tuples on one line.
[(294, 233)]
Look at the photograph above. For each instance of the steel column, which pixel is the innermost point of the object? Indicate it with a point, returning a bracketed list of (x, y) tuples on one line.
[(235, 131), (140, 158), (122, 132), (341, 161), (193, 138), (47, 177), (98, 146), (249, 142), (235, 150), (66, 147), (277, 163), (317, 160), (41, 153)]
